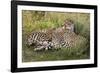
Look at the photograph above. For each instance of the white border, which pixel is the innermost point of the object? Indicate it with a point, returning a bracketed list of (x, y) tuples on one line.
[(53, 63)]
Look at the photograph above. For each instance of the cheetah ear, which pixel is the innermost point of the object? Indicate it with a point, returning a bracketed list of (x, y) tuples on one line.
[(71, 21)]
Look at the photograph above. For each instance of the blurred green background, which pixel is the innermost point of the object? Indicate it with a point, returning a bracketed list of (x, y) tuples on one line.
[(40, 20)]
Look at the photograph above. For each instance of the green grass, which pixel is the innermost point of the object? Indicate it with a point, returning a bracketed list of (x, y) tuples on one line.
[(29, 55), (34, 21)]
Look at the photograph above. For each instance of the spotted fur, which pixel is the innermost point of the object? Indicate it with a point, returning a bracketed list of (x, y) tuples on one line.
[(63, 36)]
